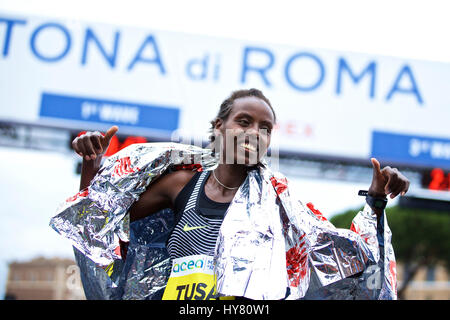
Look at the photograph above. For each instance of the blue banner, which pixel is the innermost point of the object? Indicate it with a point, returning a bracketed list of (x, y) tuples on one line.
[(409, 149), (109, 112)]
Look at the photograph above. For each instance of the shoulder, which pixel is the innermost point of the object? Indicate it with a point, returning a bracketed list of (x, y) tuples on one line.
[(160, 194), (179, 176), (173, 182)]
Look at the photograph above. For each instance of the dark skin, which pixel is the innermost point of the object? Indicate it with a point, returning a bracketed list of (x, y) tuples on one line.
[(250, 119)]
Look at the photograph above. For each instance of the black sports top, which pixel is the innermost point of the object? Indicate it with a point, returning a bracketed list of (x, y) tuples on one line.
[(207, 206), (197, 220)]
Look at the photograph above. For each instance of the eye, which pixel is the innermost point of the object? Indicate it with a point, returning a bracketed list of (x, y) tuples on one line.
[(267, 129), (244, 122)]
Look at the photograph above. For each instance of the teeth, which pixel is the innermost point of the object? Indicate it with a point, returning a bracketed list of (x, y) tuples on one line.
[(248, 146)]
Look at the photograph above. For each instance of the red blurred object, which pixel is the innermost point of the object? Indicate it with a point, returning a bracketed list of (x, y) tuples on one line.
[(114, 146), (132, 140), (438, 180)]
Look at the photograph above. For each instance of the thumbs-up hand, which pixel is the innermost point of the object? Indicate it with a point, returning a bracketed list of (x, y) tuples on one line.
[(91, 145), (387, 181)]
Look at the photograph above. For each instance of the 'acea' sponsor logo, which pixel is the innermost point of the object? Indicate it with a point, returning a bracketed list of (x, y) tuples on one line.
[(192, 264), (188, 265)]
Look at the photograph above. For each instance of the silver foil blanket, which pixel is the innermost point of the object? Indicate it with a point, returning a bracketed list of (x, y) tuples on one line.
[(95, 220), (270, 246), (297, 253)]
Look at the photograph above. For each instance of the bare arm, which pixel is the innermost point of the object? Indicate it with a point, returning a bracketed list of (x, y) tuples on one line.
[(161, 194), (88, 171)]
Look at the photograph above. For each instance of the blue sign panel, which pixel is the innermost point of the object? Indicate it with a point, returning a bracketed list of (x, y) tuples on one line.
[(109, 112), (418, 150)]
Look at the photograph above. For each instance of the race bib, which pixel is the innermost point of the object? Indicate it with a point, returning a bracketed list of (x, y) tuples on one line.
[(191, 278)]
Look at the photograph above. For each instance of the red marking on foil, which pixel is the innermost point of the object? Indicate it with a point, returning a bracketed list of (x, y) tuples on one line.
[(123, 167), (117, 251), (122, 249), (82, 193), (393, 275), (296, 262), (316, 212), (195, 166), (279, 185), (356, 229)]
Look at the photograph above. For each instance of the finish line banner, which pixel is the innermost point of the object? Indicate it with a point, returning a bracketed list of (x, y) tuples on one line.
[(86, 75)]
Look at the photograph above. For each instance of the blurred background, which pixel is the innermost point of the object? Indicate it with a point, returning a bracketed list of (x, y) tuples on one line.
[(349, 80)]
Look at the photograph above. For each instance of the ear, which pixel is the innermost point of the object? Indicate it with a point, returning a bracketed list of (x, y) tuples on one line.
[(218, 123)]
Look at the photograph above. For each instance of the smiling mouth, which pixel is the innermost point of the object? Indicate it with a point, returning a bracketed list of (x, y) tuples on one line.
[(248, 147)]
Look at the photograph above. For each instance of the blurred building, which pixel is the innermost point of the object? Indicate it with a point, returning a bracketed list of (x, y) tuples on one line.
[(59, 279), (429, 283), (44, 279)]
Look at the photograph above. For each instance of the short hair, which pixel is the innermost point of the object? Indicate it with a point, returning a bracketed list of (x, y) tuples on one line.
[(227, 106)]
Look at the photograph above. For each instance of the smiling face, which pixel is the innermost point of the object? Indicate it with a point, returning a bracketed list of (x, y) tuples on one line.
[(245, 134)]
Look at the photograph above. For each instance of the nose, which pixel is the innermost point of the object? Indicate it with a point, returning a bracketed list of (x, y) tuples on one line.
[(252, 131)]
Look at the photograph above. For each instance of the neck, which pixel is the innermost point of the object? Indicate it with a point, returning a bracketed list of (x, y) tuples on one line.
[(231, 176)]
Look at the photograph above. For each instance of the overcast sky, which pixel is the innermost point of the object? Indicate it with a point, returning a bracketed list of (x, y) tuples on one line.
[(406, 29)]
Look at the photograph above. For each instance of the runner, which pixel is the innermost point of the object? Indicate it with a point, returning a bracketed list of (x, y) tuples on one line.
[(200, 199)]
